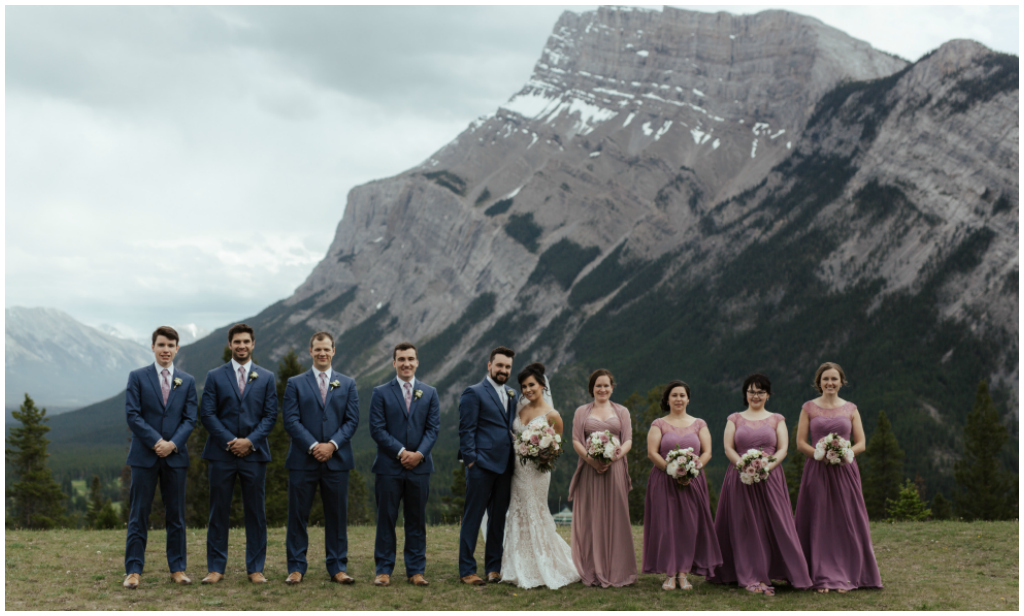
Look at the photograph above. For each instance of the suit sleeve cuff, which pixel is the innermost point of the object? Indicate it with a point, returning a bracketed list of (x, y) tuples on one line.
[(310, 450), (399, 456), (336, 448)]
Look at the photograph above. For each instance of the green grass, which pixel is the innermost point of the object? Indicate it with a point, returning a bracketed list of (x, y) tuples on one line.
[(924, 565)]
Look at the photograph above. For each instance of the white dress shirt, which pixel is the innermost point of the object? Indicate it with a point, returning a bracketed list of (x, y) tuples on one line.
[(401, 388), (502, 394), (316, 375), (248, 370), (170, 379)]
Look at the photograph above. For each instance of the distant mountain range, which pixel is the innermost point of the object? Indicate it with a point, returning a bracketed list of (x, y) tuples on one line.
[(64, 364), (676, 194)]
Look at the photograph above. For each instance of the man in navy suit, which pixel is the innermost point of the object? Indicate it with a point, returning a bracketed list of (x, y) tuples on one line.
[(160, 404), (239, 408), (321, 413), (405, 417), (485, 443)]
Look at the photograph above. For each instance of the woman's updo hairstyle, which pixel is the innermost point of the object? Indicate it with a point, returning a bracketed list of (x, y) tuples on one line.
[(536, 370), (668, 390)]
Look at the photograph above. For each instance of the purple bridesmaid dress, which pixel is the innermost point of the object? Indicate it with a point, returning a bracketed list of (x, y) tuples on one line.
[(831, 519), (754, 523), (679, 535)]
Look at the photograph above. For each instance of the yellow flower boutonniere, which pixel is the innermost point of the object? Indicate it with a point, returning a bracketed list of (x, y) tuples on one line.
[(511, 392), (335, 383), (417, 394), (253, 376), (176, 383)]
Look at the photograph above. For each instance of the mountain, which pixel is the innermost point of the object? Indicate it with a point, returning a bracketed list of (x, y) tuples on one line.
[(689, 195), (61, 362), (188, 334)]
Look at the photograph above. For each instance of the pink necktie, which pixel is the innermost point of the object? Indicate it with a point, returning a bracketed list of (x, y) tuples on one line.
[(323, 387), (408, 397), (241, 380), (165, 387)]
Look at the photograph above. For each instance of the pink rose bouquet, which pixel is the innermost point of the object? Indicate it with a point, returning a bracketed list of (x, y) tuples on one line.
[(683, 465), (539, 444), (753, 466), (603, 445), (833, 449)]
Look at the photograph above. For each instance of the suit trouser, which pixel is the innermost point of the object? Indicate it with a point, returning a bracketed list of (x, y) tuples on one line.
[(302, 485), (140, 497), (490, 492), (253, 476), (390, 490)]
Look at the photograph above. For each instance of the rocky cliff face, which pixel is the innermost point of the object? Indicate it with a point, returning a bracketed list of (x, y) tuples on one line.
[(680, 194)]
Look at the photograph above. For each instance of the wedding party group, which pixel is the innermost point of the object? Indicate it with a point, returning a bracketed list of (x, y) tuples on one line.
[(509, 440)]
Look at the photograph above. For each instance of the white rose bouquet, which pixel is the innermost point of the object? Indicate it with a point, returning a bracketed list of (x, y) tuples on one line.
[(603, 445), (833, 449), (753, 466), (683, 465), (540, 445)]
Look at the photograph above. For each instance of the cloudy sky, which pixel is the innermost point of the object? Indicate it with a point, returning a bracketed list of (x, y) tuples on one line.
[(191, 164)]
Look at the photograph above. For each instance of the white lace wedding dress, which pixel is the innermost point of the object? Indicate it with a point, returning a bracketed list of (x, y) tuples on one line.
[(534, 553)]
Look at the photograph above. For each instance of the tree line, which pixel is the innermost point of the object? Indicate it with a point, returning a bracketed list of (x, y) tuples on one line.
[(984, 490)]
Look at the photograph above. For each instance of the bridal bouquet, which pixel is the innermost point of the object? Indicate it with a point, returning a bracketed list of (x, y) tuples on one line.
[(833, 449), (683, 465), (539, 444), (753, 466), (603, 445)]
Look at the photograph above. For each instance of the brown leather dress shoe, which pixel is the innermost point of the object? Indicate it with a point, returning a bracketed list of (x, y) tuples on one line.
[(132, 581), (293, 578), (382, 580), (493, 577), (472, 579), (179, 577), (418, 580), (343, 578), (258, 578), (212, 578)]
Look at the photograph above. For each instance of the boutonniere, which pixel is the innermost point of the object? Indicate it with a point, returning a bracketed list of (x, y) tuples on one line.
[(253, 376), (511, 392), (417, 394), (176, 383), (335, 383)]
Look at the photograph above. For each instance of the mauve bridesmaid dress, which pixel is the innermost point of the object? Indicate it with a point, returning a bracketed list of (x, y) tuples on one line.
[(831, 519)]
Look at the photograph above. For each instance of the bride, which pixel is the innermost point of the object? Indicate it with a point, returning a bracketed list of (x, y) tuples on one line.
[(534, 554)]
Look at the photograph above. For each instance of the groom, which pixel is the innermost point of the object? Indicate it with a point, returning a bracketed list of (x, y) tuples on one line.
[(485, 443)]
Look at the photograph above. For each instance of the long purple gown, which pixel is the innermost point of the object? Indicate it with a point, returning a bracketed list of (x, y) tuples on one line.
[(831, 519), (755, 523), (679, 535)]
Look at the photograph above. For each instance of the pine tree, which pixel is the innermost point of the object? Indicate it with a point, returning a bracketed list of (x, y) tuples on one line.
[(358, 499), (883, 474), (37, 499), (941, 508), (794, 467), (983, 489), (277, 474), (100, 512), (455, 502), (643, 410), (907, 506)]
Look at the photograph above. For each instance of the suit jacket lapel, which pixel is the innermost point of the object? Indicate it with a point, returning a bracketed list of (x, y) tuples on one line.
[(496, 398), (412, 405), (330, 390), (399, 396), (311, 381), (155, 380), (170, 394), (229, 368)]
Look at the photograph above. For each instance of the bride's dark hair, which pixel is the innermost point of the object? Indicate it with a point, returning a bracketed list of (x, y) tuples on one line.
[(536, 370)]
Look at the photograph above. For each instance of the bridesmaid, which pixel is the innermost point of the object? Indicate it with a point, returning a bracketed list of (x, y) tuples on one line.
[(602, 538), (831, 520), (679, 535), (755, 523)]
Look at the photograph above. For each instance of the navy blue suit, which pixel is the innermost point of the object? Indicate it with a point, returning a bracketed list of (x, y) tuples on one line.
[(227, 415), (485, 440), (151, 420), (393, 428), (310, 422)]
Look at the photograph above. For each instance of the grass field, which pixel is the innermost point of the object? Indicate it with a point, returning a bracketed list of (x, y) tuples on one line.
[(926, 565)]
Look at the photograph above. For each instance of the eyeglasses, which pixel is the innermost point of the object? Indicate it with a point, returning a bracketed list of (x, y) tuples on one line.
[(756, 394)]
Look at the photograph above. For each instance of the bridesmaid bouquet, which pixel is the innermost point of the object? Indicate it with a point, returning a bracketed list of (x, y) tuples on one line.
[(753, 466), (603, 445), (833, 449), (683, 465), (540, 445)]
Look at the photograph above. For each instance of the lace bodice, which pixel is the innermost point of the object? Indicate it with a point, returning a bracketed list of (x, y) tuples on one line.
[(672, 436), (756, 433), (517, 426), (821, 421)]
